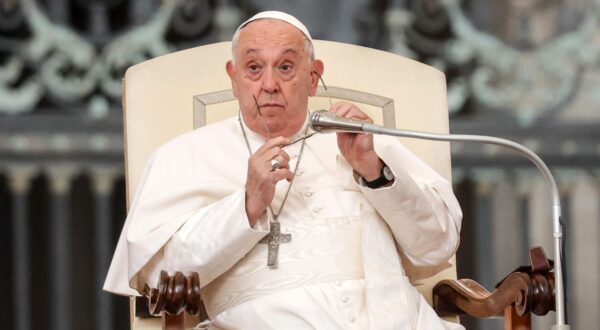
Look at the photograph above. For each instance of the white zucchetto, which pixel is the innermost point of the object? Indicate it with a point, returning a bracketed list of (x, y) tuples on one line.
[(272, 14)]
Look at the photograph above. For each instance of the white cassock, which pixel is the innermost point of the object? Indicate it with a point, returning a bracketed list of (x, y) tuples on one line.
[(342, 268)]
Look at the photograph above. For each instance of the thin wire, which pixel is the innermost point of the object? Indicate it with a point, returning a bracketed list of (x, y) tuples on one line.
[(287, 192), (324, 87), (301, 138), (261, 117), (306, 136)]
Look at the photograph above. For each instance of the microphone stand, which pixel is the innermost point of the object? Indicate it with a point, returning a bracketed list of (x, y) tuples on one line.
[(323, 121), (556, 209)]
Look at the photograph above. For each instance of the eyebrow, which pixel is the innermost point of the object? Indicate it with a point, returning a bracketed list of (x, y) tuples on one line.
[(251, 50), (290, 50), (285, 51)]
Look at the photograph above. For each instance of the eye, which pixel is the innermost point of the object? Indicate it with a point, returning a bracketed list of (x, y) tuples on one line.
[(285, 67), (253, 68)]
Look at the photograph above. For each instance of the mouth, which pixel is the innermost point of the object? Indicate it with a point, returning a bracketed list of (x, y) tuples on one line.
[(270, 109), (270, 105)]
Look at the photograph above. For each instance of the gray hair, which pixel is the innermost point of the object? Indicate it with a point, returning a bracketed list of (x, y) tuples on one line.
[(308, 45)]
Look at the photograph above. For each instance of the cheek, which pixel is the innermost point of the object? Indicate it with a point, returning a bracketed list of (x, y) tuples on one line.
[(293, 92), (246, 87)]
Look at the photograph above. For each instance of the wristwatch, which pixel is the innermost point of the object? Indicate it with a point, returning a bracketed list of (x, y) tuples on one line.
[(384, 178)]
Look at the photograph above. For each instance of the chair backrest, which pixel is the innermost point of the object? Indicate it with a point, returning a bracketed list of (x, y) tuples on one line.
[(172, 94)]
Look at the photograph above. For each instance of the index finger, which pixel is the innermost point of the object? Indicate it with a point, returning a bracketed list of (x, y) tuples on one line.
[(349, 110), (274, 142)]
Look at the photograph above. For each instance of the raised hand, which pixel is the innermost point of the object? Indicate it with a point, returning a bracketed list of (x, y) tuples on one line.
[(261, 178), (357, 148)]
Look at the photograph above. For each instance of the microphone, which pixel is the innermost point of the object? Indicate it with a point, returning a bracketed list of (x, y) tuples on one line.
[(323, 121)]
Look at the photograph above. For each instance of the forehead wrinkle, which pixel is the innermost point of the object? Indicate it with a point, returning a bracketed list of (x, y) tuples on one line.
[(289, 50)]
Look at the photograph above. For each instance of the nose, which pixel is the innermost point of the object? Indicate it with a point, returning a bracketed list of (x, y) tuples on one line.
[(270, 83)]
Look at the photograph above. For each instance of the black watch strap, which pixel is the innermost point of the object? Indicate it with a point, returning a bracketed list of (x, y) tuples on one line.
[(384, 178)]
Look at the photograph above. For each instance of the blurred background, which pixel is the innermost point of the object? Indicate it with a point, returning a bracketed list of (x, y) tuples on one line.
[(525, 70)]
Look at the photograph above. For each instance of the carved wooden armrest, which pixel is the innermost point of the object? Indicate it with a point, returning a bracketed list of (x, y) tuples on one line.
[(174, 294), (528, 289)]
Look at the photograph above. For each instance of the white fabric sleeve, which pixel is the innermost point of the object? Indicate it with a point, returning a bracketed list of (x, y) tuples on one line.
[(214, 238), (419, 207)]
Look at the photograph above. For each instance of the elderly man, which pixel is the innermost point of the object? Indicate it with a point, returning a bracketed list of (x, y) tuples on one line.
[(288, 232)]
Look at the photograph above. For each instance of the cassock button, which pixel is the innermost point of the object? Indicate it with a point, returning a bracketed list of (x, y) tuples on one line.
[(351, 319), (317, 209), (337, 283), (308, 193), (345, 299)]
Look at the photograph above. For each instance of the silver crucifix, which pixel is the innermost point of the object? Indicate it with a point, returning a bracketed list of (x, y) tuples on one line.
[(273, 239)]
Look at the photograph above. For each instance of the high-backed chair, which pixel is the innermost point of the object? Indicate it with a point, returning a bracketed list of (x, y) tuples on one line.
[(169, 95)]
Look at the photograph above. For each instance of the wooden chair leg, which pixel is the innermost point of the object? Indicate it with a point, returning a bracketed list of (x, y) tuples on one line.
[(512, 320), (172, 322)]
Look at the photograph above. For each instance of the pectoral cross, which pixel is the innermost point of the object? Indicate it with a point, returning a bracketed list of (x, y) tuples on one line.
[(273, 239)]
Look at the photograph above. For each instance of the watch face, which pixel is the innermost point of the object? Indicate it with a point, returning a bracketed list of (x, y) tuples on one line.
[(388, 173)]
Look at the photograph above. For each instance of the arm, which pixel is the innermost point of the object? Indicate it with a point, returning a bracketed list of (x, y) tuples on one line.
[(214, 238), (419, 207), (178, 188), (418, 204)]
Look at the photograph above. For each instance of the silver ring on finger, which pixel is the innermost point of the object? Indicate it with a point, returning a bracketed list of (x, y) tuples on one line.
[(274, 164)]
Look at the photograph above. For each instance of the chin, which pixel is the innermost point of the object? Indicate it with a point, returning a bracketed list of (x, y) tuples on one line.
[(280, 123)]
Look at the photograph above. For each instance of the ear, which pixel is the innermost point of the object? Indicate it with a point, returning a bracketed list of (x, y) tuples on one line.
[(317, 71), (230, 68)]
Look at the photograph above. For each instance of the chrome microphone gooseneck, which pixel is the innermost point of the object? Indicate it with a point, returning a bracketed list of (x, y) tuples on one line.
[(323, 121)]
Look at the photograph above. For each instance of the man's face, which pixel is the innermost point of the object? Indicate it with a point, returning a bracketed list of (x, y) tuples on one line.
[(273, 66)]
